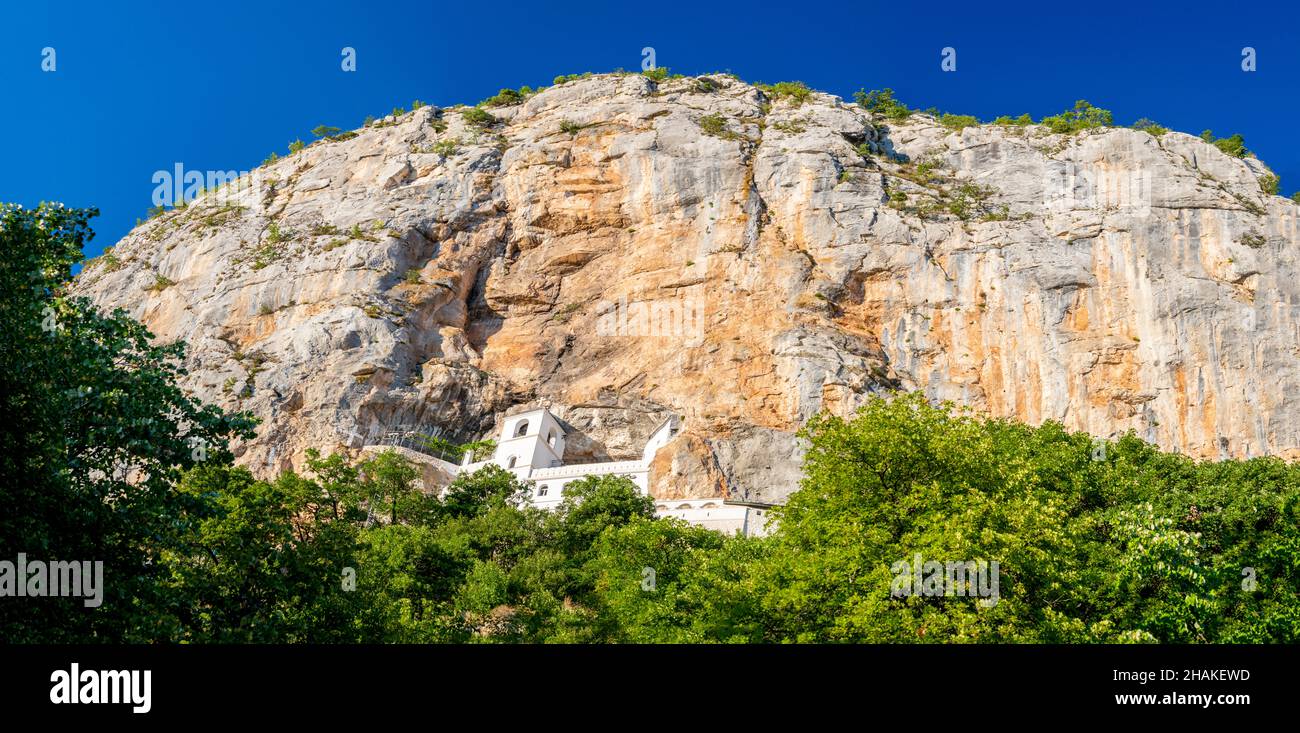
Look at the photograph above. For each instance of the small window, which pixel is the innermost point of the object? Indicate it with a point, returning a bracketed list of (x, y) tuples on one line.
[(511, 462), (550, 439), (541, 490), (521, 429)]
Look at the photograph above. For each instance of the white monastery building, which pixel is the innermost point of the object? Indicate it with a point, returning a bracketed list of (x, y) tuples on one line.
[(531, 446)]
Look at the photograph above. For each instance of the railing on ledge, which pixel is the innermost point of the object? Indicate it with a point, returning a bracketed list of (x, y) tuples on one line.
[(589, 461), (586, 469), (418, 442)]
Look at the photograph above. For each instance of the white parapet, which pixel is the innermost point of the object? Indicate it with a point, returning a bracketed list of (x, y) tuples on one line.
[(708, 513)]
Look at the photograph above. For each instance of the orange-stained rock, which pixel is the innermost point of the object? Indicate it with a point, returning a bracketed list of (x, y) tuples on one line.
[(597, 251)]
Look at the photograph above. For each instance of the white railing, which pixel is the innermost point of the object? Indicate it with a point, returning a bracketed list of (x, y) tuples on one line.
[(420, 443), (588, 469)]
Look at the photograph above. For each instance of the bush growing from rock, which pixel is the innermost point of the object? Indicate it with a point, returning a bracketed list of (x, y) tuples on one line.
[(1083, 116), (478, 117), (1234, 145), (1150, 127), (958, 122), (882, 102)]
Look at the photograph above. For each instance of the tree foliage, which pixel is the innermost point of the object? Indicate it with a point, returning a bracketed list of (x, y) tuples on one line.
[(1083, 116), (96, 434), (1234, 145), (882, 102)]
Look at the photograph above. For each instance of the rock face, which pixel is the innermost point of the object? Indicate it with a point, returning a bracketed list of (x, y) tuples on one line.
[(622, 250)]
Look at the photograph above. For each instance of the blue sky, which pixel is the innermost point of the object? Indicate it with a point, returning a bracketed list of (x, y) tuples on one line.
[(218, 86)]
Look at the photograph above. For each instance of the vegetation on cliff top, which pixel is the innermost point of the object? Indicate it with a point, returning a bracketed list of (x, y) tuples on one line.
[(1082, 116)]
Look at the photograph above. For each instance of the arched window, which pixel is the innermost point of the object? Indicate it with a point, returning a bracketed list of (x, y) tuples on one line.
[(541, 490), (511, 462), (684, 506), (550, 439), (521, 429)]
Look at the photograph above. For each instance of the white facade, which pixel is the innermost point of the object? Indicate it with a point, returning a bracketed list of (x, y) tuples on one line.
[(531, 446), (716, 514)]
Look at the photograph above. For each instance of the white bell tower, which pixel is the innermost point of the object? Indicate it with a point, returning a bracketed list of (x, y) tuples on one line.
[(530, 440)]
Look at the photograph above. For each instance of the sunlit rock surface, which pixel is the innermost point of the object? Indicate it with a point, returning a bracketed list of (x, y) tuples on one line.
[(599, 251)]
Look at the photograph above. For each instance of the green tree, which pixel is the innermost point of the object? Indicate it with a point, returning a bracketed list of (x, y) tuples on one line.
[(389, 479), (339, 485), (1150, 126), (1095, 541), (1083, 116), (417, 571), (595, 503), (256, 567), (1023, 120), (478, 117), (1234, 145), (505, 98), (958, 122), (95, 434), (474, 493), (882, 102), (643, 576)]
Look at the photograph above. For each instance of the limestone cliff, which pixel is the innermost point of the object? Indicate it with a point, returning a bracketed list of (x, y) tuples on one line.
[(622, 249)]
